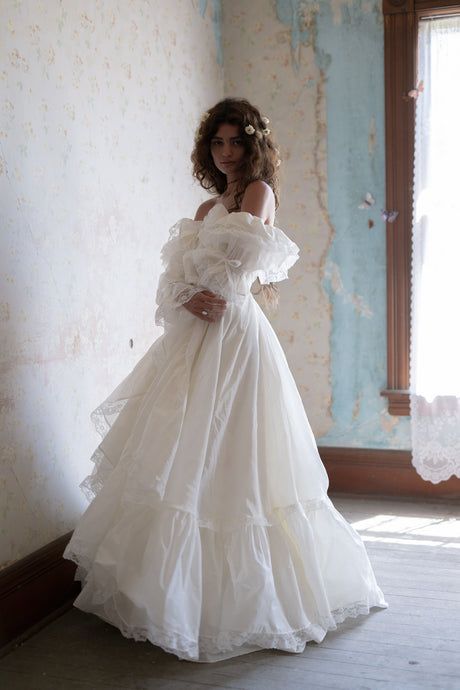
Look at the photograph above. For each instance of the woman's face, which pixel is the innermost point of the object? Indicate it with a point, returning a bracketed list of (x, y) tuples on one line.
[(227, 149)]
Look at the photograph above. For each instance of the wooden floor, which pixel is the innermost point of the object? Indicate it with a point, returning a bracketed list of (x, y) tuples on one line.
[(413, 645)]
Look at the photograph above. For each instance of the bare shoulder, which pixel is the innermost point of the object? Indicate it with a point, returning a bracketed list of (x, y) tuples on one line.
[(204, 208), (259, 200), (261, 185), (259, 190)]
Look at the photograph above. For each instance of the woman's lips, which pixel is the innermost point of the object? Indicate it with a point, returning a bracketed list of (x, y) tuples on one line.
[(227, 162)]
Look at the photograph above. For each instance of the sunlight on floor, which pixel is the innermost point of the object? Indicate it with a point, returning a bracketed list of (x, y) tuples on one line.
[(401, 529)]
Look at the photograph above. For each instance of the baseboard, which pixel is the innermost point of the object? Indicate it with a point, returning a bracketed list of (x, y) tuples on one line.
[(35, 589), (381, 472)]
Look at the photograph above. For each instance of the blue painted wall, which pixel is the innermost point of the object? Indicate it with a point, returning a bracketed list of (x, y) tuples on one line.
[(346, 42), (351, 53)]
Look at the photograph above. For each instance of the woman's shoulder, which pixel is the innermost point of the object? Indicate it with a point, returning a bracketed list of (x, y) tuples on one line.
[(259, 187), (204, 208), (259, 199)]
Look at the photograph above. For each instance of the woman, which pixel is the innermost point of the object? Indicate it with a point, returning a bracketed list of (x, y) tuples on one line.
[(210, 532)]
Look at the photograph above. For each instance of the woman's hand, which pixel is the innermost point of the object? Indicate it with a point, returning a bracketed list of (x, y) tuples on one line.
[(206, 301)]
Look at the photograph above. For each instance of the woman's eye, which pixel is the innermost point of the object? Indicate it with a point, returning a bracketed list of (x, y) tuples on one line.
[(236, 142)]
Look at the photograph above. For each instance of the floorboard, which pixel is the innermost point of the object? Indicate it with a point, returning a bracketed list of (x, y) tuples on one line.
[(414, 547)]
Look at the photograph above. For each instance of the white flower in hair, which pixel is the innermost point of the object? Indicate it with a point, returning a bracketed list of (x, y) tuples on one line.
[(249, 129), (266, 132), (259, 134), (205, 116), (265, 120)]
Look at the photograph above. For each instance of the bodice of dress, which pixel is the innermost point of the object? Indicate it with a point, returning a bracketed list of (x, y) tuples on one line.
[(225, 253)]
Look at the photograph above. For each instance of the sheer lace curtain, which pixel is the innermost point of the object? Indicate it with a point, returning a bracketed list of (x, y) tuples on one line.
[(435, 298)]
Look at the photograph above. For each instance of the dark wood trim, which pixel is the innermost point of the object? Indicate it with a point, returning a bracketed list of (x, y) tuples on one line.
[(426, 6), (399, 56), (34, 587), (384, 473), (397, 6), (398, 402), (436, 7)]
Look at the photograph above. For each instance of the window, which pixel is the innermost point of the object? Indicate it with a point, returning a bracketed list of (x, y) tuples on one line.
[(401, 19)]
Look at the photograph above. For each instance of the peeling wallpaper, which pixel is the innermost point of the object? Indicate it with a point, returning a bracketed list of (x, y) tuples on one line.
[(316, 70), (99, 101), (94, 169)]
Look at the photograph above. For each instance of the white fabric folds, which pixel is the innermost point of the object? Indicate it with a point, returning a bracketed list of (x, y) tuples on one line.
[(209, 531), (225, 253)]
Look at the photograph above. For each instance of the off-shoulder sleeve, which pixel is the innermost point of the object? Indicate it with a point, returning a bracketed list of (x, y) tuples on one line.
[(173, 290), (264, 250)]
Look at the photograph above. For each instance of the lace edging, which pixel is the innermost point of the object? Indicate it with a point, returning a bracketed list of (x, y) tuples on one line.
[(103, 418), (435, 437), (227, 641)]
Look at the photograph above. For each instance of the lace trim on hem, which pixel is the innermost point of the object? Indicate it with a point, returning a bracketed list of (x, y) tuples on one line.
[(103, 412), (103, 418), (93, 483), (228, 641), (224, 641)]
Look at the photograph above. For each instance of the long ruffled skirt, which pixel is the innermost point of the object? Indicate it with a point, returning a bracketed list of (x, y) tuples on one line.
[(210, 532)]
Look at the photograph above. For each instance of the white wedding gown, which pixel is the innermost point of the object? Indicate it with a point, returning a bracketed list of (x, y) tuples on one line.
[(210, 532)]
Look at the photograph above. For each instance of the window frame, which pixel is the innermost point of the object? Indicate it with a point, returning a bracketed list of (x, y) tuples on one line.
[(401, 19)]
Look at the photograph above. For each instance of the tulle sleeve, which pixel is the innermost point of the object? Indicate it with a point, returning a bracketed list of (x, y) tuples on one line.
[(173, 290), (263, 250)]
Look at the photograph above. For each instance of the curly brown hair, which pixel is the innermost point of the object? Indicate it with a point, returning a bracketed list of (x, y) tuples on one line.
[(261, 161)]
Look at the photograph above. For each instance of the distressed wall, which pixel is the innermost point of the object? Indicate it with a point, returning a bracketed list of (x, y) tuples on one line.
[(99, 104), (316, 70), (94, 168)]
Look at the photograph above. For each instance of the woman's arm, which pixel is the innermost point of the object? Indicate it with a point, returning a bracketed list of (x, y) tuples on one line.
[(173, 292)]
